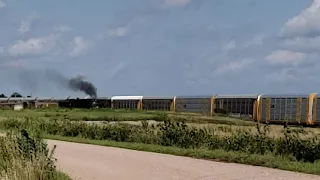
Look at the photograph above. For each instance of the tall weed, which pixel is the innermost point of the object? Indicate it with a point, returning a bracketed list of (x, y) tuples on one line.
[(180, 134), (26, 158)]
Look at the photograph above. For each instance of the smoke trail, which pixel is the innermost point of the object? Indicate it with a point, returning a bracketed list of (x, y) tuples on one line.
[(76, 83), (32, 78)]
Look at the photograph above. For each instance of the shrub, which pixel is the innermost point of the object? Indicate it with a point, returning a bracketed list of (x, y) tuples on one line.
[(26, 158), (179, 134)]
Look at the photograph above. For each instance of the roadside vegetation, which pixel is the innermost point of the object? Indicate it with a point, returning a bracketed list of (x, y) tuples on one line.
[(116, 115), (26, 158), (289, 148)]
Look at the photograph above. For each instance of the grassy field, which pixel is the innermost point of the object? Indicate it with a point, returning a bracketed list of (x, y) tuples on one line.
[(219, 124), (217, 138), (120, 115)]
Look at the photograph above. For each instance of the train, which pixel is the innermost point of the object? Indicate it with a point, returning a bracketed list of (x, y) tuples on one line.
[(265, 108)]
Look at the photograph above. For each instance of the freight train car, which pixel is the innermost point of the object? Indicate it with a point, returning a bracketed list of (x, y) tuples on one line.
[(9, 103), (236, 105), (29, 102), (126, 102), (195, 104), (81, 103), (158, 103), (314, 101), (4, 100), (25, 102), (6, 104), (294, 109), (45, 102), (102, 102), (73, 102), (63, 102)]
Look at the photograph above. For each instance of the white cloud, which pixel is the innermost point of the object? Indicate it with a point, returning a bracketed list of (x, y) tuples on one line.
[(285, 57), (175, 3), (116, 32), (234, 66), (256, 41), (25, 24), (33, 46), (300, 44), (2, 4), (302, 32), (304, 24), (63, 28), (1, 50), (80, 46), (282, 75), (20, 63), (304, 44), (120, 31), (229, 46), (115, 70)]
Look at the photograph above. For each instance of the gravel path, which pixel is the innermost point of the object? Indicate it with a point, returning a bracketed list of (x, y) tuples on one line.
[(90, 162)]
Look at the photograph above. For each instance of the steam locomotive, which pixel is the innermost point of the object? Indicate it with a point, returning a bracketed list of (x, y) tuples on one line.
[(84, 103)]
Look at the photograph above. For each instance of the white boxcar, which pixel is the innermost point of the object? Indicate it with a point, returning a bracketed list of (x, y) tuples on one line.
[(126, 102)]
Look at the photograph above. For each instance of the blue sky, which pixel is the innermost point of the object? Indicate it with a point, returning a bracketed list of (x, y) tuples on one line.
[(162, 47)]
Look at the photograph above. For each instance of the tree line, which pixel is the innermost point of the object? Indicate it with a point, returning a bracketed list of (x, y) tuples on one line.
[(15, 94)]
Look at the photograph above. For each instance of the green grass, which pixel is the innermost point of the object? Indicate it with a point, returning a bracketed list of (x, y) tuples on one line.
[(267, 160), (74, 114)]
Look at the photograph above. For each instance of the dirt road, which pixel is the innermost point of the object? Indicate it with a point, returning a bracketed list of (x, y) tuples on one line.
[(89, 162)]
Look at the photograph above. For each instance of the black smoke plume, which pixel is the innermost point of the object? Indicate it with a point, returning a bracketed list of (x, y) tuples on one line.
[(79, 84), (32, 78)]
